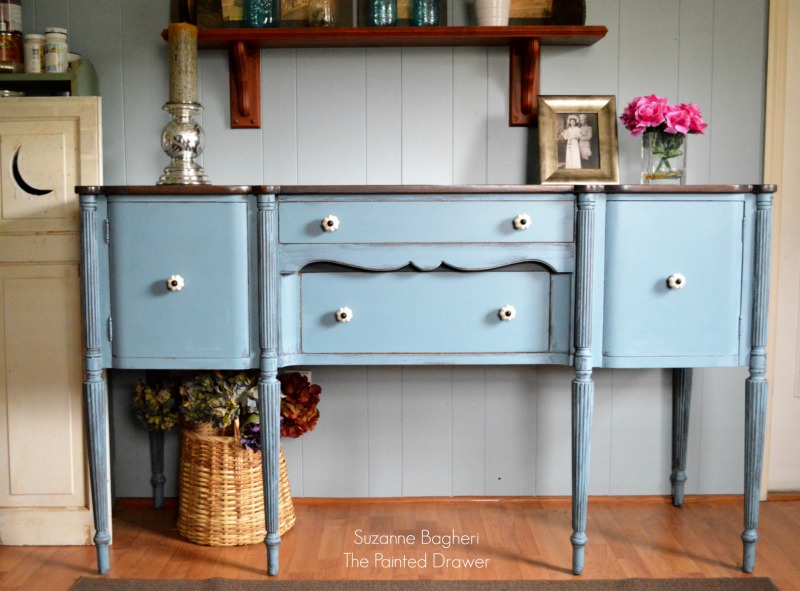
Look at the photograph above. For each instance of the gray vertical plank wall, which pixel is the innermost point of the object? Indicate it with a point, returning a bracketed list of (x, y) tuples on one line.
[(379, 116)]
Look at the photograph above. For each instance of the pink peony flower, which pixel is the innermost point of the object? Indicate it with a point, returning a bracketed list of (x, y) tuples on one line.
[(696, 123), (653, 113), (650, 110), (643, 112), (677, 120)]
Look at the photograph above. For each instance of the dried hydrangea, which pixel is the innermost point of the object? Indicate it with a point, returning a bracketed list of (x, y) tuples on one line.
[(298, 404), (156, 406), (209, 398)]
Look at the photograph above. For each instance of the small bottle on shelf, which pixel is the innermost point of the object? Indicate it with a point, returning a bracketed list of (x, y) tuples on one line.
[(262, 13), (383, 13)]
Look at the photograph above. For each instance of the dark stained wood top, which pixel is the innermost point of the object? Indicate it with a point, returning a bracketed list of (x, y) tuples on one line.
[(417, 189), (164, 190), (413, 189), (689, 188)]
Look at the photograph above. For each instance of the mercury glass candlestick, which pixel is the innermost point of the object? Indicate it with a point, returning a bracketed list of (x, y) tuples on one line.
[(182, 139)]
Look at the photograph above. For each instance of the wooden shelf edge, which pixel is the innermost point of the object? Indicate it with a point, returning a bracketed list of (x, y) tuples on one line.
[(244, 46), (308, 37)]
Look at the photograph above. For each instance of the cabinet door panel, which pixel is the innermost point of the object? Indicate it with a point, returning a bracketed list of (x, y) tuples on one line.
[(40, 391), (647, 242), (48, 145), (204, 243)]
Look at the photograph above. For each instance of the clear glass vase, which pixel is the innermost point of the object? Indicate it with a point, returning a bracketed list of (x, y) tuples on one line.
[(663, 158)]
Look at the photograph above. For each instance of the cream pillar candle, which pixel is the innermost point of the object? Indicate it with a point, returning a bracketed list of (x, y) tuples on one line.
[(182, 63)]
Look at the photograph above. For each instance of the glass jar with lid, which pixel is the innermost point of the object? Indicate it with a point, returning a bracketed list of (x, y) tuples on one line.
[(56, 50)]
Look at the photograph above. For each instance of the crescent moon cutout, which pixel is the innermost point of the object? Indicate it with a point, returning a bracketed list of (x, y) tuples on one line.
[(21, 182)]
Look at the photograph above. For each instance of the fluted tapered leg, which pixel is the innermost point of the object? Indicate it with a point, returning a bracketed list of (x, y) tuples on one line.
[(269, 389), (582, 407), (756, 387), (681, 401), (95, 395), (96, 414), (269, 400), (755, 423), (157, 467), (582, 385)]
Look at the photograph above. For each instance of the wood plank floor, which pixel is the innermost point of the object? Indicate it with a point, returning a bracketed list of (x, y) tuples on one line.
[(509, 539)]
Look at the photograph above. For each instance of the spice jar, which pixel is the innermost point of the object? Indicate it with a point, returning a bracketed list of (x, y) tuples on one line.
[(56, 50), (11, 16), (34, 54), (11, 59)]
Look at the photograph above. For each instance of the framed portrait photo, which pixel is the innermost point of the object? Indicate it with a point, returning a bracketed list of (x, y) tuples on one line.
[(578, 140)]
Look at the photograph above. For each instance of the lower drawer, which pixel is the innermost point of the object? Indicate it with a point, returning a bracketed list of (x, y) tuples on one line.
[(434, 312)]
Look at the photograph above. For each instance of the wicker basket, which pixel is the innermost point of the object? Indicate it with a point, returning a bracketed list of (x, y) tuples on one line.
[(222, 493)]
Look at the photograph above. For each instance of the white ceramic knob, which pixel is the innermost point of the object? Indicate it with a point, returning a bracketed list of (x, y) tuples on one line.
[(507, 312), (344, 314), (330, 223), (175, 283), (522, 221), (676, 281)]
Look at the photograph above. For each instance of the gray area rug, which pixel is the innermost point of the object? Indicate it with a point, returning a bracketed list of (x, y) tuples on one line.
[(742, 584)]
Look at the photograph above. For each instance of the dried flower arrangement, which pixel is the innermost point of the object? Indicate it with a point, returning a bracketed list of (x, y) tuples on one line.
[(220, 398)]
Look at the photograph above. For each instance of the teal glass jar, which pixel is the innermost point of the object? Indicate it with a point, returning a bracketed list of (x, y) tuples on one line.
[(262, 13), (383, 13), (425, 13)]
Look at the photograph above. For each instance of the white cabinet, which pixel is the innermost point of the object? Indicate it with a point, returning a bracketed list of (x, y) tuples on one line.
[(47, 146)]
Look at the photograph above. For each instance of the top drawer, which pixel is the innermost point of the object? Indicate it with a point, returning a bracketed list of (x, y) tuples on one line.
[(425, 221)]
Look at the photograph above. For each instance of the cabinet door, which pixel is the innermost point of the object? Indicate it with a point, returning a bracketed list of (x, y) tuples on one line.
[(47, 146), (696, 321), (205, 321)]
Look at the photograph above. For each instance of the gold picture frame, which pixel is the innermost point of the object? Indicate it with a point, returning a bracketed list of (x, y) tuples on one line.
[(578, 140)]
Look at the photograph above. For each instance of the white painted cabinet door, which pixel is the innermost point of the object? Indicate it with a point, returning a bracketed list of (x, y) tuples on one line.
[(47, 146)]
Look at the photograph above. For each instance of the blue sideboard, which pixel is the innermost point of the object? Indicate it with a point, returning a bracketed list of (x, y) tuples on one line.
[(236, 277)]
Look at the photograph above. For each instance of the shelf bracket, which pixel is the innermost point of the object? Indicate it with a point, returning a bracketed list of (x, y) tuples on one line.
[(245, 85), (524, 83)]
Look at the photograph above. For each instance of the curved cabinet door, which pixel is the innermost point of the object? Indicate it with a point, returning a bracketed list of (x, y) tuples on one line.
[(694, 318), (202, 318)]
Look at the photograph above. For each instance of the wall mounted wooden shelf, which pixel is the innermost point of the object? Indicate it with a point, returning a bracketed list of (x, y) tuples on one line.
[(244, 47)]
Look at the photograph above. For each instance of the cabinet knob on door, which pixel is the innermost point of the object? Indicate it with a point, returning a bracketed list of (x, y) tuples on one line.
[(330, 223), (507, 312), (522, 221), (676, 281), (175, 283), (344, 314)]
